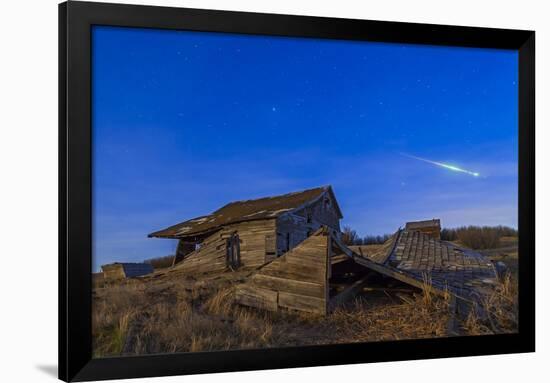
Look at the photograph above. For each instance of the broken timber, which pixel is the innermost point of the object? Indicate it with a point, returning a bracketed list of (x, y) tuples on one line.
[(300, 279)]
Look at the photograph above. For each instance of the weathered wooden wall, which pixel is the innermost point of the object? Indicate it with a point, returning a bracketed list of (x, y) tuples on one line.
[(113, 272), (293, 228), (257, 240), (430, 227), (324, 212), (432, 231), (185, 247), (257, 243), (210, 257), (297, 280)]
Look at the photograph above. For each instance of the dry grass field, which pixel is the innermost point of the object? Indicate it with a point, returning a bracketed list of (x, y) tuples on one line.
[(507, 253), (171, 312)]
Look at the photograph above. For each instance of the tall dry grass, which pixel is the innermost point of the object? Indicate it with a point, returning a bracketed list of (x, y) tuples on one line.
[(191, 316), (498, 313), (129, 320), (427, 290), (111, 318), (133, 319), (423, 315)]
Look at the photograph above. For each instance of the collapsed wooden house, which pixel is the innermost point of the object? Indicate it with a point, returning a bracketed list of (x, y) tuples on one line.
[(292, 244), (118, 270), (322, 273), (248, 234), (315, 276)]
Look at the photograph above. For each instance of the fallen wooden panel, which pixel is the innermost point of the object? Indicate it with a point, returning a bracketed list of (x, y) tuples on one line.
[(390, 273), (302, 303), (298, 280), (256, 297), (290, 285), (419, 259)]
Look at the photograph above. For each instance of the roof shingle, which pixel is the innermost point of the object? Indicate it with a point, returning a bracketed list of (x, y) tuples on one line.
[(240, 211), (463, 272)]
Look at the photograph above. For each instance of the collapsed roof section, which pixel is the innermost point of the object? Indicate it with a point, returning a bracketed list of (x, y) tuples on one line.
[(248, 210), (417, 258), (299, 279)]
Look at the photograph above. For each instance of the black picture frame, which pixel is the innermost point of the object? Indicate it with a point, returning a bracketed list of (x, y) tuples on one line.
[(75, 214)]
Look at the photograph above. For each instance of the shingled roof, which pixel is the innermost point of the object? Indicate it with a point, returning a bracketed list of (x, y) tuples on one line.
[(413, 254), (248, 210)]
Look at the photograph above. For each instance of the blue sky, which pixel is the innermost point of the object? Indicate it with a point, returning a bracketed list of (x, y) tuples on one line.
[(184, 122)]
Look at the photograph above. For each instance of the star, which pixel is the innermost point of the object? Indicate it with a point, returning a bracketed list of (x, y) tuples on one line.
[(273, 109)]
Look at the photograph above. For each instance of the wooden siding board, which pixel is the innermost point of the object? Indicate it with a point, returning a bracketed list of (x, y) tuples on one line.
[(302, 303), (299, 277), (112, 272), (299, 223), (256, 297), (253, 240), (211, 255), (290, 285)]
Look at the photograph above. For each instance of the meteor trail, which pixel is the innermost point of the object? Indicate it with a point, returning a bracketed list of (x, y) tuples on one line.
[(441, 164)]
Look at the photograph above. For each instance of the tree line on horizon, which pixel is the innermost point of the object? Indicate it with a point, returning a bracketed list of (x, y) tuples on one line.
[(474, 237)]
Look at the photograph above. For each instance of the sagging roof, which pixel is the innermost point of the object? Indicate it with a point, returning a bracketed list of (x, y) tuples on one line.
[(377, 253), (413, 255), (248, 210), (415, 225)]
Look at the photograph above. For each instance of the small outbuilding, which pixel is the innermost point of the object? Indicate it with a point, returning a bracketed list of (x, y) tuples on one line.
[(430, 227), (117, 270)]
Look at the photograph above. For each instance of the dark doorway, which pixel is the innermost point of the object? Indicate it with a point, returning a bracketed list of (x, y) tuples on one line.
[(233, 252)]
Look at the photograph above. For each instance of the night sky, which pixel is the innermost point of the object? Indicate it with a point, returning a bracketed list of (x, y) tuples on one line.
[(185, 122)]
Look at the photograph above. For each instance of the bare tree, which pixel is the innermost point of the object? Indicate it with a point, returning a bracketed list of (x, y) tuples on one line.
[(349, 236)]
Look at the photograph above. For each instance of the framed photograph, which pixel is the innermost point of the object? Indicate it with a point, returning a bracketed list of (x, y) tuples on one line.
[(246, 191)]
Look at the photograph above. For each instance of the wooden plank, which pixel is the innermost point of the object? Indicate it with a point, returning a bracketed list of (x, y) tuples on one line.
[(339, 258), (256, 297), (452, 323), (302, 303), (348, 293), (290, 285), (306, 274), (386, 271)]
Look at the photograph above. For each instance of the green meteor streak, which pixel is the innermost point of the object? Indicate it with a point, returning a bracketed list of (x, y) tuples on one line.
[(441, 164)]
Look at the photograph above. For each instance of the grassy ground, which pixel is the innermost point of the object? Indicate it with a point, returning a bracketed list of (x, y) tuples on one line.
[(176, 313), (506, 253)]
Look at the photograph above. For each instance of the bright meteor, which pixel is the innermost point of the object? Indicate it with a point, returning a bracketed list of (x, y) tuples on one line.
[(441, 164)]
